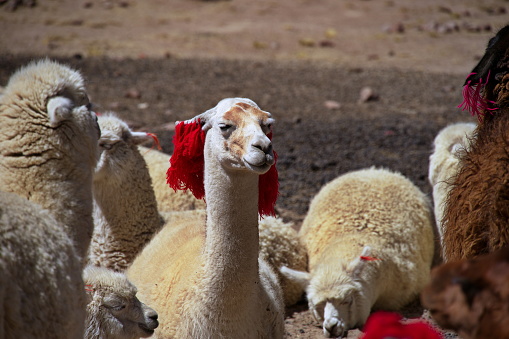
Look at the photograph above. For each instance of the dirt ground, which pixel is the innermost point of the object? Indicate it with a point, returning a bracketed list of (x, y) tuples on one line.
[(306, 61)]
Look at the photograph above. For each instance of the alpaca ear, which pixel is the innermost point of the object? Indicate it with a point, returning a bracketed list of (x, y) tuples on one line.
[(299, 277), (59, 109), (205, 119), (357, 265), (140, 137)]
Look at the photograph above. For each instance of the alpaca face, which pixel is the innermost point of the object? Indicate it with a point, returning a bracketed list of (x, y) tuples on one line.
[(127, 317), (340, 307), (241, 134)]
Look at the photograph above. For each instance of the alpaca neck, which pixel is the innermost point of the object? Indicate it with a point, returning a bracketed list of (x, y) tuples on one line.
[(231, 245), (125, 217)]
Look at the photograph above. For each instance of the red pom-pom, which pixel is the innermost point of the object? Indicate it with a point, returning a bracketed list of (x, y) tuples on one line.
[(187, 162), (382, 325)]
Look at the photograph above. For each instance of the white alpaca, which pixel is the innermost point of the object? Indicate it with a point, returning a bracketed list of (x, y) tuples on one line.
[(41, 289), (113, 310), (207, 281), (369, 237), (280, 246), (48, 144), (168, 200), (125, 208), (449, 144)]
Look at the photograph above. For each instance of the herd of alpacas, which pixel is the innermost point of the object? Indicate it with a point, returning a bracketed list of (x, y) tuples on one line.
[(101, 237)]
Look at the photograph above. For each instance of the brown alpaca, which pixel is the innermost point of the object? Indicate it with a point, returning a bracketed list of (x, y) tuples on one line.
[(471, 296), (476, 212)]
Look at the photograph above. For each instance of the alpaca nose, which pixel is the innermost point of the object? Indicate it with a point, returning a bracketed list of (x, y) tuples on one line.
[(263, 144), (333, 327)]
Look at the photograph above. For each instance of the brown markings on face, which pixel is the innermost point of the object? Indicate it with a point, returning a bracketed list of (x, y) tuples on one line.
[(240, 115)]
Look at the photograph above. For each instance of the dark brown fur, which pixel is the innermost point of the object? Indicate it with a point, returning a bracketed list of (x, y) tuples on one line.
[(471, 296), (476, 213)]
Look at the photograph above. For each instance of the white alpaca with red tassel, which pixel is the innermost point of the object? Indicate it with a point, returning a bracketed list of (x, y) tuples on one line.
[(207, 280)]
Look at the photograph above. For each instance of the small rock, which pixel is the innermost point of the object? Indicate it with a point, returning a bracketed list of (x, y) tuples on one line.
[(331, 104), (143, 105), (367, 94), (307, 42), (133, 93), (326, 43), (330, 33)]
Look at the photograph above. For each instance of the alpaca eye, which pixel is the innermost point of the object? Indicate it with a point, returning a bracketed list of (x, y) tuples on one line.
[(224, 127), (105, 145)]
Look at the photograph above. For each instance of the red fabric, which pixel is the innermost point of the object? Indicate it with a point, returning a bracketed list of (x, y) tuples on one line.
[(187, 162), (187, 168), (473, 100), (268, 191), (381, 325)]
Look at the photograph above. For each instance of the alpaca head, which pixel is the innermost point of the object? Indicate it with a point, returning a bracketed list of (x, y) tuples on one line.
[(113, 310), (237, 132), (335, 294), (59, 91), (485, 88), (236, 135), (117, 147)]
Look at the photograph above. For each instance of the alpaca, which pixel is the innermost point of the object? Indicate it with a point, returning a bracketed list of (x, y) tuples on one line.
[(369, 238), (41, 289), (477, 208), (471, 296), (168, 200), (125, 209), (444, 163), (113, 310), (48, 144), (207, 280)]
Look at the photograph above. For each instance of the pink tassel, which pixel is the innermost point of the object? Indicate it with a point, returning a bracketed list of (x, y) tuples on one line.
[(473, 100)]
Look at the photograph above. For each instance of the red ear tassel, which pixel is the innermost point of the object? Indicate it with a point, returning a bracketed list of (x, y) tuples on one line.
[(268, 191), (473, 100), (156, 140), (187, 162)]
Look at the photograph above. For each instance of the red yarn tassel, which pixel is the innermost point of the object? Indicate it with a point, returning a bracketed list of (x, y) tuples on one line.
[(367, 258), (187, 162), (156, 141), (473, 100), (268, 190)]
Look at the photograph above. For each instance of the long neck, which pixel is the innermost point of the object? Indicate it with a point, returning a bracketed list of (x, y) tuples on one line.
[(125, 217), (231, 245)]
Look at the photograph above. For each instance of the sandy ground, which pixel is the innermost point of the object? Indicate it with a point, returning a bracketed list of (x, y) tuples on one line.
[(306, 61)]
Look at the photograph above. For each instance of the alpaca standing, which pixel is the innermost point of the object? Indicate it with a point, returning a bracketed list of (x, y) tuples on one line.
[(477, 209), (48, 144), (207, 281), (125, 208)]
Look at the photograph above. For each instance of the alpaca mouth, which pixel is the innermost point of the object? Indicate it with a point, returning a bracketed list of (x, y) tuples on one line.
[(148, 331), (260, 162)]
